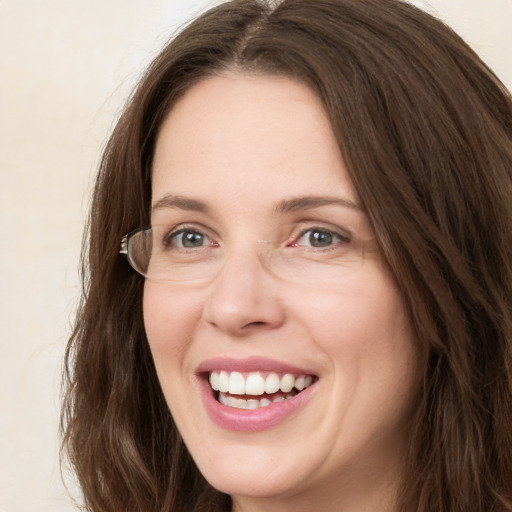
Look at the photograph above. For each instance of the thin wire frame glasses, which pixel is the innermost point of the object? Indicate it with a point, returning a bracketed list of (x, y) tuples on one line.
[(189, 256)]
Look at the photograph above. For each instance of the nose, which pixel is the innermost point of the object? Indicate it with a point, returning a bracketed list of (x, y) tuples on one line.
[(244, 298)]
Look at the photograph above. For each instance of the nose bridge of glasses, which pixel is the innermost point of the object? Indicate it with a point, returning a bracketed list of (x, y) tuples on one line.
[(248, 254), (270, 256), (249, 257)]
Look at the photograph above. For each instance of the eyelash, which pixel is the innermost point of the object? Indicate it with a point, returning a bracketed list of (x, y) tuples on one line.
[(173, 236), (337, 238)]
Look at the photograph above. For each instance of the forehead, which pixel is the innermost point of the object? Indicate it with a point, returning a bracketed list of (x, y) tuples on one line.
[(238, 134)]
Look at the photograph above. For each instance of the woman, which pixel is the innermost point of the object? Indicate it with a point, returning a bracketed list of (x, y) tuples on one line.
[(318, 197)]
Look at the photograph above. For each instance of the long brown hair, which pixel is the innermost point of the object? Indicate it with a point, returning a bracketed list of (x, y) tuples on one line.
[(426, 131)]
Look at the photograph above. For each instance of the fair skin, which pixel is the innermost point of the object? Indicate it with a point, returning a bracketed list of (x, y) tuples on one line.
[(238, 147)]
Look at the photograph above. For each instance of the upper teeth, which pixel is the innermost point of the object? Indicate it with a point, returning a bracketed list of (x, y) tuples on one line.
[(235, 383)]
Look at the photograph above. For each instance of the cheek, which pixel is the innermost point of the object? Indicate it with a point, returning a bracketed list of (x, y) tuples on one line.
[(170, 319), (366, 315), (366, 333)]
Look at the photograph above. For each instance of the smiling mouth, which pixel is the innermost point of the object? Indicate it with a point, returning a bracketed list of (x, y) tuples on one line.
[(254, 390)]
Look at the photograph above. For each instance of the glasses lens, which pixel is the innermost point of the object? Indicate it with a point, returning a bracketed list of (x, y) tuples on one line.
[(314, 267), (168, 256), (140, 245)]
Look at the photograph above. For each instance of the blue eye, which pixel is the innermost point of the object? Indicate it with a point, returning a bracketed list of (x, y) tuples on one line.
[(320, 238), (188, 239)]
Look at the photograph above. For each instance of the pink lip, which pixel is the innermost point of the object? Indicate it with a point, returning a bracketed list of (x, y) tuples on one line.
[(250, 364), (255, 420)]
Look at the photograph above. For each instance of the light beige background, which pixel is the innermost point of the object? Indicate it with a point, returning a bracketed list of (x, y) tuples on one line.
[(66, 68)]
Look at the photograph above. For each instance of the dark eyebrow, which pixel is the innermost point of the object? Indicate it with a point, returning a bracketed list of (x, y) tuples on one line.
[(310, 202), (181, 202)]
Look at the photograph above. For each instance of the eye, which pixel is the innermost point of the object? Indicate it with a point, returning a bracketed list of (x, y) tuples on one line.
[(188, 239), (320, 238)]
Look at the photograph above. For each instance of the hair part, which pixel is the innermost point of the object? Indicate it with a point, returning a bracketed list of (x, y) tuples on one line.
[(426, 132)]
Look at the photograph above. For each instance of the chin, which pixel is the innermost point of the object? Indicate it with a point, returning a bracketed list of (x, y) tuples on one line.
[(244, 479)]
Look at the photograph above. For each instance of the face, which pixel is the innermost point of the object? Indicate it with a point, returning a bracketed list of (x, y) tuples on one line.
[(282, 300)]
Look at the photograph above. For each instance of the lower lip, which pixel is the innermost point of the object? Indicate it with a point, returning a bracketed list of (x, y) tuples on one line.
[(253, 420)]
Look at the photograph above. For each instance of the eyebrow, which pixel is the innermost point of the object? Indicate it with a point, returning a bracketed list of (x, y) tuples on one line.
[(180, 202), (285, 206), (311, 202)]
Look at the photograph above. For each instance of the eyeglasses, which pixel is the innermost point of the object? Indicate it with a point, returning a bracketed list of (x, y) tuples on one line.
[(317, 256)]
